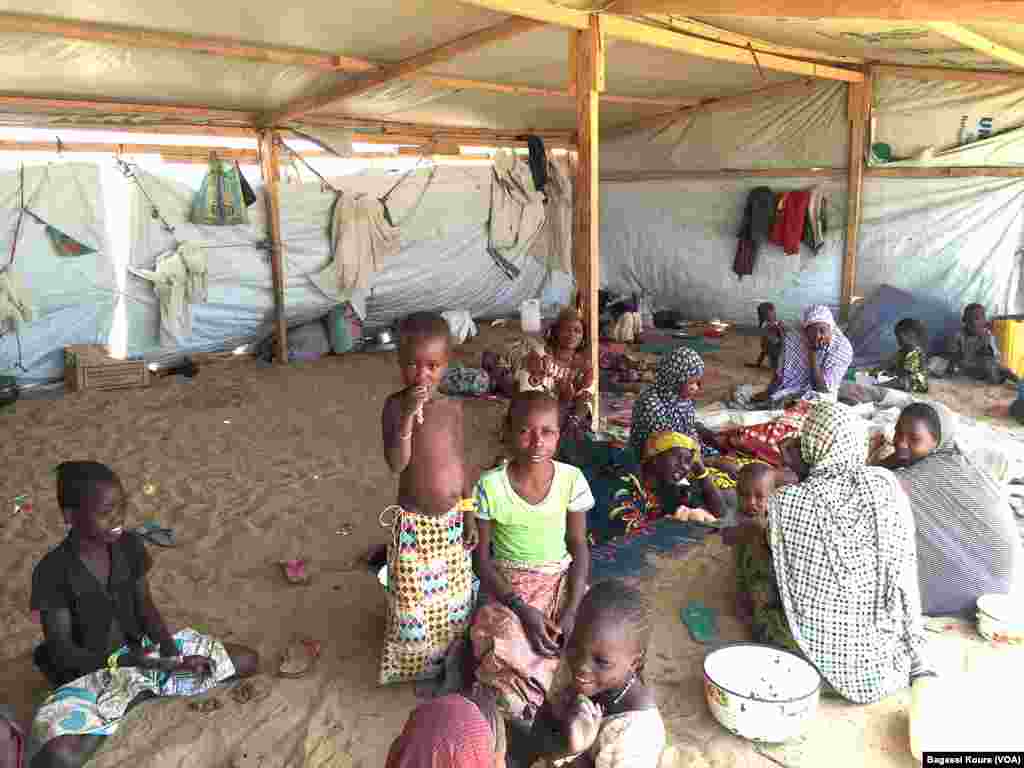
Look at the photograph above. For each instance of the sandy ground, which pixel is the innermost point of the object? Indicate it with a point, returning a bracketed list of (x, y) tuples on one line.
[(252, 464)]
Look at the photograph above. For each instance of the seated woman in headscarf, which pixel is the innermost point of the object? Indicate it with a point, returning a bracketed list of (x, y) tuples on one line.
[(453, 731), (839, 563), (967, 540), (814, 360), (667, 406), (557, 364)]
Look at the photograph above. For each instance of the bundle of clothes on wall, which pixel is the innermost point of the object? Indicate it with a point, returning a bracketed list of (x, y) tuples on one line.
[(783, 219)]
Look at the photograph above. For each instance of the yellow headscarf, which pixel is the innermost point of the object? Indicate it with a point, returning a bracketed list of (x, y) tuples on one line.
[(660, 442)]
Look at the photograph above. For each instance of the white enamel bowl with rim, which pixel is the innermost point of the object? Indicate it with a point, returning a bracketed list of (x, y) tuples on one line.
[(761, 692), (1000, 619)]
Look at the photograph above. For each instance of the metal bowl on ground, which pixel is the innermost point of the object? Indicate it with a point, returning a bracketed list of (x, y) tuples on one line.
[(383, 340), (1000, 619), (760, 692)]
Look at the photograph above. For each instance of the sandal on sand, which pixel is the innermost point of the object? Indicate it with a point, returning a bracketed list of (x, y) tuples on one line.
[(300, 658), (156, 534), (247, 692), (295, 571), (205, 706)]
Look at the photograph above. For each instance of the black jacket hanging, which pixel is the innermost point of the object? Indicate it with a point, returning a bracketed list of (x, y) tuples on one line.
[(538, 162)]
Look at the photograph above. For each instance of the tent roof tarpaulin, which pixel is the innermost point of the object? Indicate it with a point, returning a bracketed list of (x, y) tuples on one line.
[(111, 50)]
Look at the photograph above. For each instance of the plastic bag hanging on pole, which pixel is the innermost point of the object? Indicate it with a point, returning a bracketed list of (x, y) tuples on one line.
[(220, 201)]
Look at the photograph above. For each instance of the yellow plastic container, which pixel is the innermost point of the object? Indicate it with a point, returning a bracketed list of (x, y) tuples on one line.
[(1010, 336)]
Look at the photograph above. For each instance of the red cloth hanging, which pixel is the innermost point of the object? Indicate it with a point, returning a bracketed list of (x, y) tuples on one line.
[(789, 220)]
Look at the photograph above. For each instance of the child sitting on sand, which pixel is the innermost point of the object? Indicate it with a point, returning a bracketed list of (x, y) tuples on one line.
[(606, 715), (430, 575), (771, 339), (558, 365), (673, 483), (533, 511), (974, 351), (757, 595), (106, 645), (910, 365)]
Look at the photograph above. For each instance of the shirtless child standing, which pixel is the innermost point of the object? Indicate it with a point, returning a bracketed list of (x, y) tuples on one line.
[(430, 574)]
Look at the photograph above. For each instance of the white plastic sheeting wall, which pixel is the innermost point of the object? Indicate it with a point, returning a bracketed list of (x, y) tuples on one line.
[(676, 240), (957, 240), (72, 298), (443, 263)]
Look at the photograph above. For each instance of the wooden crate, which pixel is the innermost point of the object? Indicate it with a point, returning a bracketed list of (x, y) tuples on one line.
[(90, 366)]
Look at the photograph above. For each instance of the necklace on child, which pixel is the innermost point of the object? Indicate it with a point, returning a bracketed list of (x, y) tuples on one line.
[(618, 697)]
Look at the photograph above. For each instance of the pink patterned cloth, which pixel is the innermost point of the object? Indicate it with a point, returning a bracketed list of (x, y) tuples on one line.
[(448, 732)]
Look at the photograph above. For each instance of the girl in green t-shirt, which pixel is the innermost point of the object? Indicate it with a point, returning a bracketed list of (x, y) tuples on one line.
[(532, 559)]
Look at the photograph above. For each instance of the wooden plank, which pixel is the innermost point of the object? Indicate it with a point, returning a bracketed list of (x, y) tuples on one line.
[(738, 101), (972, 39), (539, 10), (729, 173), (586, 236), (189, 112), (136, 37), (952, 172), (887, 172), (659, 37), (421, 61), (647, 34), (709, 32), (899, 10), (944, 73), (270, 167), (858, 107)]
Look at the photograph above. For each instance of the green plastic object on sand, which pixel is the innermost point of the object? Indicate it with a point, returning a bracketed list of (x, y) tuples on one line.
[(701, 621)]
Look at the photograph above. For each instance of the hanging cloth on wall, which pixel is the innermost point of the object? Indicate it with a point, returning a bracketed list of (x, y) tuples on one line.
[(15, 305), (219, 200), (790, 215), (64, 244), (179, 280), (758, 217), (816, 223), (248, 196), (538, 162), (517, 212), (362, 239)]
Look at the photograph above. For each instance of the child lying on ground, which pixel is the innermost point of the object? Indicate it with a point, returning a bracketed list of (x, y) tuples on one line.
[(423, 442), (606, 715), (107, 648), (974, 352), (534, 511), (910, 365)]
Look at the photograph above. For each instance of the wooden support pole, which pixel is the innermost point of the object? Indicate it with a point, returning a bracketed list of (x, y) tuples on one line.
[(585, 241), (269, 165), (858, 110)]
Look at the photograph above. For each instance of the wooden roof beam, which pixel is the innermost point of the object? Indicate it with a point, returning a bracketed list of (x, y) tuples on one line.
[(896, 10), (418, 63), (660, 37), (972, 39), (133, 37), (710, 32), (944, 73)]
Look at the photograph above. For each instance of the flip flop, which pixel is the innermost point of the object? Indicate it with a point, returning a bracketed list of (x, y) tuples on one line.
[(295, 571), (299, 658), (701, 621), (156, 534)]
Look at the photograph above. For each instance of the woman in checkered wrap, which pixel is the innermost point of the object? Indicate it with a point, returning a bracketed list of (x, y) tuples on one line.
[(843, 549)]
